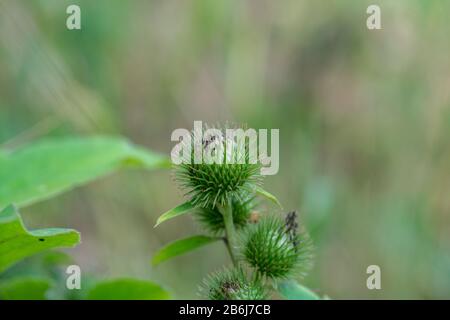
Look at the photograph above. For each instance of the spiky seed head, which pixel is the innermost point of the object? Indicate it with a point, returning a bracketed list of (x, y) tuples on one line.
[(212, 219), (232, 284), (211, 184), (276, 248)]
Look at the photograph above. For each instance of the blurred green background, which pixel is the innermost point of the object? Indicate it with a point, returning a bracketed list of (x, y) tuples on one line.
[(364, 119)]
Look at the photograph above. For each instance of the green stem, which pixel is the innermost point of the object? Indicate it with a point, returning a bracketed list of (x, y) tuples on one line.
[(230, 233), (230, 251)]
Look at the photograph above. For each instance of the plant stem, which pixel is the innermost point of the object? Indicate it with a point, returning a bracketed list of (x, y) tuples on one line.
[(230, 251), (227, 213)]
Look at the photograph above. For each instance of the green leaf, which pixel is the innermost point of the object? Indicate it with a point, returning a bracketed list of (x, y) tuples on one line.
[(47, 168), (127, 289), (24, 289), (268, 195), (292, 290), (175, 212), (17, 243), (178, 247)]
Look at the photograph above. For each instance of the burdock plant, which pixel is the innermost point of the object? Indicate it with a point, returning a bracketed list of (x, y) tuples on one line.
[(269, 251)]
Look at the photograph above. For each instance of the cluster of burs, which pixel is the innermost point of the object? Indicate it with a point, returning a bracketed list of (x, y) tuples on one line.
[(265, 247)]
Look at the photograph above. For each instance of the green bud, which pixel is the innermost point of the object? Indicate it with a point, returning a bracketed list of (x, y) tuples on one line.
[(212, 219), (276, 249), (232, 284), (211, 184)]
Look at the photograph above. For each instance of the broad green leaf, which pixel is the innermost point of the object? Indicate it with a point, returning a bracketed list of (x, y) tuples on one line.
[(127, 289), (292, 290), (268, 195), (24, 289), (17, 243), (50, 167), (175, 212), (178, 247)]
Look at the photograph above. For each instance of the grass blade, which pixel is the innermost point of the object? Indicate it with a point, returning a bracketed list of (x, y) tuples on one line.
[(268, 195), (174, 212), (181, 246)]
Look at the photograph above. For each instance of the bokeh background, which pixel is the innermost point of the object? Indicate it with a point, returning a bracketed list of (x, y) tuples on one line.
[(364, 119)]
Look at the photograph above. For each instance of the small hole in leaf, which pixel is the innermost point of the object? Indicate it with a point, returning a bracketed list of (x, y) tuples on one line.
[(41, 239)]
